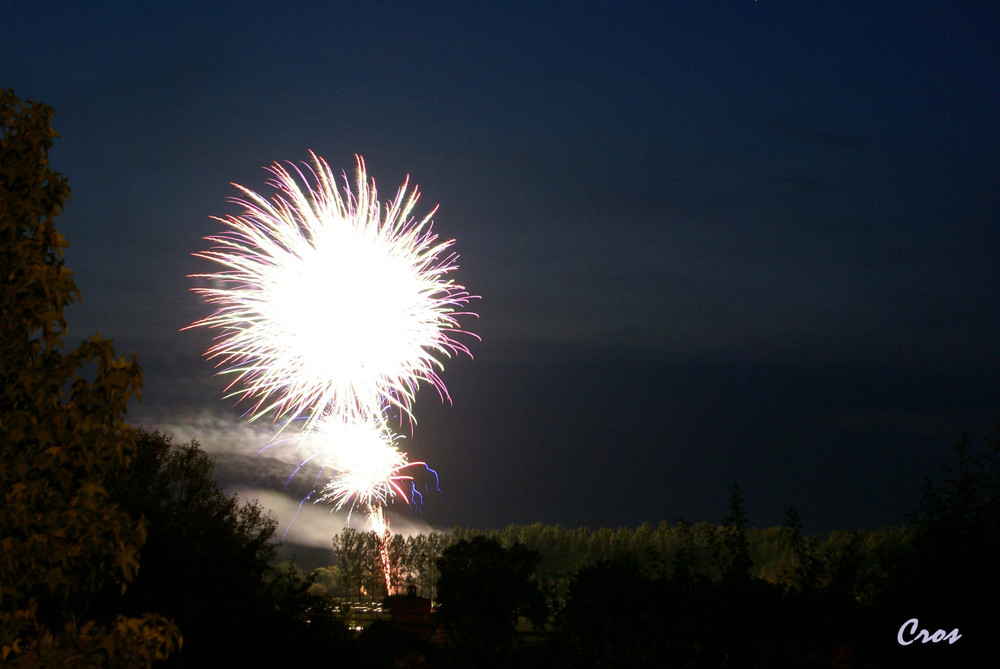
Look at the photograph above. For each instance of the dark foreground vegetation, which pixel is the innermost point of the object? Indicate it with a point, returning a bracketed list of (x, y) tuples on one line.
[(117, 548), (671, 595)]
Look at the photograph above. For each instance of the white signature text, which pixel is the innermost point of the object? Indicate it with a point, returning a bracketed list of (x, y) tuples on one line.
[(910, 632)]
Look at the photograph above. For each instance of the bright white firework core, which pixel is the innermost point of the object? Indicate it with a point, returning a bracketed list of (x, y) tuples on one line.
[(346, 309), (327, 304)]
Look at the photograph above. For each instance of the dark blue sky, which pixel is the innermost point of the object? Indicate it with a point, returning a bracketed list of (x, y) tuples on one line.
[(713, 240)]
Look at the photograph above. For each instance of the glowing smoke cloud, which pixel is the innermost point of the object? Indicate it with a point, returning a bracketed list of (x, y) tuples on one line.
[(331, 313)]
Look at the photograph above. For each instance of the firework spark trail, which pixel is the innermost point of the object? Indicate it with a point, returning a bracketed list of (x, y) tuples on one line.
[(380, 525), (330, 314)]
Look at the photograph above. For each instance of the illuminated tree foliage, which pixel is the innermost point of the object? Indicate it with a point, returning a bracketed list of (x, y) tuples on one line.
[(64, 546)]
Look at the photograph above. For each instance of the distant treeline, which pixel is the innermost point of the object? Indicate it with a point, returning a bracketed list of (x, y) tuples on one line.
[(859, 561), (856, 562)]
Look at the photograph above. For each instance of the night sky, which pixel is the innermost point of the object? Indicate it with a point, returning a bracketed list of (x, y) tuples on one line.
[(714, 241)]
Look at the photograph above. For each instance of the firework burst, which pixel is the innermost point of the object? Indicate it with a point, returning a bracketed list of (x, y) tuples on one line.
[(327, 303), (331, 310), (366, 465)]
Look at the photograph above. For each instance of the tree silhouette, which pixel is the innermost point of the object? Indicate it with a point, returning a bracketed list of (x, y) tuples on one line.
[(806, 573), (65, 544), (484, 588), (736, 540), (205, 551), (615, 616), (953, 580)]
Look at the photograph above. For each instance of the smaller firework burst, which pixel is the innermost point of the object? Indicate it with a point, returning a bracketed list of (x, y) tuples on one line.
[(366, 464)]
